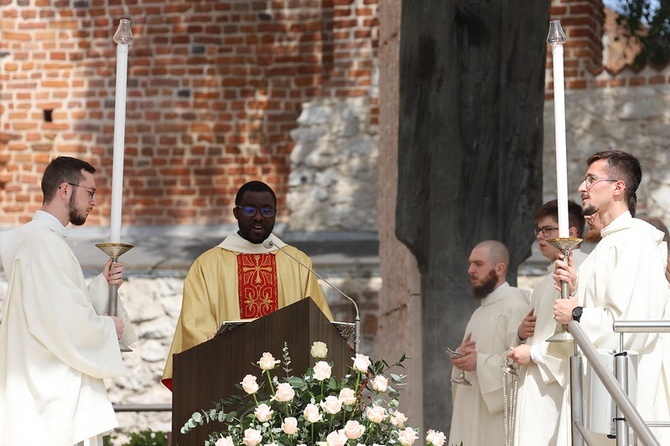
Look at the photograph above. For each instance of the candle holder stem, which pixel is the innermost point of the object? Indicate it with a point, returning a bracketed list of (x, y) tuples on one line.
[(114, 251), (565, 245)]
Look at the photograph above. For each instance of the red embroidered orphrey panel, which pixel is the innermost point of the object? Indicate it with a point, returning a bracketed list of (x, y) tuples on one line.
[(258, 291)]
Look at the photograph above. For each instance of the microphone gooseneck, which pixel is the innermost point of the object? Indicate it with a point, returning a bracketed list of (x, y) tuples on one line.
[(267, 244)]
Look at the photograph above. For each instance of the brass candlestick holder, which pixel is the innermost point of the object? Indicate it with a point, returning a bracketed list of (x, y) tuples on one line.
[(114, 251), (565, 245)]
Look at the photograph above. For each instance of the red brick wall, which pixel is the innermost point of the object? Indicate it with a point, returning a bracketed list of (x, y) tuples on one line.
[(214, 87), (583, 22)]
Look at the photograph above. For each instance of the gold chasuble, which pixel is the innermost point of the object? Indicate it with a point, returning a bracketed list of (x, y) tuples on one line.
[(240, 280), (257, 282)]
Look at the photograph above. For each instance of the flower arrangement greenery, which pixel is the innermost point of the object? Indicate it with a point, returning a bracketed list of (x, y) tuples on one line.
[(315, 408)]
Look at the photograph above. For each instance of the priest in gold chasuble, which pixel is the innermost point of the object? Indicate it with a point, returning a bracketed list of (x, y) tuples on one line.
[(242, 279)]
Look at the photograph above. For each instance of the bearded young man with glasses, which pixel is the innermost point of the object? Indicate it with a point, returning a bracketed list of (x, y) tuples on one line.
[(56, 341), (542, 401), (621, 279), (242, 278)]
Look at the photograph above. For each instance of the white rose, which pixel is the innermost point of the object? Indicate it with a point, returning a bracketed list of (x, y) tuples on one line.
[(435, 438), (353, 429), (331, 405), (336, 438), (249, 384), (398, 419), (375, 413), (407, 436), (290, 426), (284, 392), (348, 396), (263, 413), (319, 350), (321, 370), (379, 383), (267, 361), (252, 437), (361, 362), (312, 413), (228, 441)]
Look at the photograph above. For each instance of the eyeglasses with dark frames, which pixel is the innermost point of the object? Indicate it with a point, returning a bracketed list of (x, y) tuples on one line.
[(251, 211), (546, 231), (91, 190)]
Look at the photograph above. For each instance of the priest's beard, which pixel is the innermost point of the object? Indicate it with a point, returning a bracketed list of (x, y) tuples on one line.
[(77, 217), (487, 287)]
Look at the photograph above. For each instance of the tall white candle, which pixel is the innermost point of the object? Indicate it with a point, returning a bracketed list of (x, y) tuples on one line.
[(124, 39), (556, 39)]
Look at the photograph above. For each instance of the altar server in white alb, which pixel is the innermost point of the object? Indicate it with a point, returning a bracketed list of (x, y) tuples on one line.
[(478, 410), (543, 404), (56, 343), (623, 278)]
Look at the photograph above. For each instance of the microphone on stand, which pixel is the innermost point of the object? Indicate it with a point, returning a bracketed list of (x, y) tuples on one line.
[(267, 244)]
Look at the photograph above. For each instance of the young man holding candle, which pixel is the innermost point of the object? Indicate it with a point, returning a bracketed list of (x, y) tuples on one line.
[(56, 343), (544, 376), (621, 279), (219, 287)]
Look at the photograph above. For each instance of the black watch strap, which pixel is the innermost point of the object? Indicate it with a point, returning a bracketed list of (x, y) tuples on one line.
[(577, 313)]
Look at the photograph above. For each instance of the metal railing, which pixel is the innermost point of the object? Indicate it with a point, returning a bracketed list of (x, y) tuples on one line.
[(142, 407), (626, 411)]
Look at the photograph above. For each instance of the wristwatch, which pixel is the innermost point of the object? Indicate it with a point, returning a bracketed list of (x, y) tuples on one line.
[(577, 313)]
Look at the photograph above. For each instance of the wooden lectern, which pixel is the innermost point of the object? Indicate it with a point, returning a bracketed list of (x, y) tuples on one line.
[(208, 372)]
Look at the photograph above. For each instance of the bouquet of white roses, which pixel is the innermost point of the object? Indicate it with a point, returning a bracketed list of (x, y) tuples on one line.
[(313, 409)]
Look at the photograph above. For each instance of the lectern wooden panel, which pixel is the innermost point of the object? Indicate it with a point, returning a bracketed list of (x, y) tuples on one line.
[(208, 372)]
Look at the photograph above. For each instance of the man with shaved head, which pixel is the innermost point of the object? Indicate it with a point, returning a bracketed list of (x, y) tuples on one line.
[(477, 416)]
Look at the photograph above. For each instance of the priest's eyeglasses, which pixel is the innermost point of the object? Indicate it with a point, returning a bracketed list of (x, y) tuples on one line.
[(250, 211), (590, 180), (91, 190), (546, 231)]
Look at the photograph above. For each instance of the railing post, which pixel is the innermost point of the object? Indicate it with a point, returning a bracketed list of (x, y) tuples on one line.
[(577, 397), (621, 369)]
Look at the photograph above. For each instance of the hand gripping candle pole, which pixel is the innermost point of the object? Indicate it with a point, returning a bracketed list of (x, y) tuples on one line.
[(556, 38), (123, 37)]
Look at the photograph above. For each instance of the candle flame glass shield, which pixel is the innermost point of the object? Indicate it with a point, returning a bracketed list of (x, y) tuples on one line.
[(124, 34), (556, 35)]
